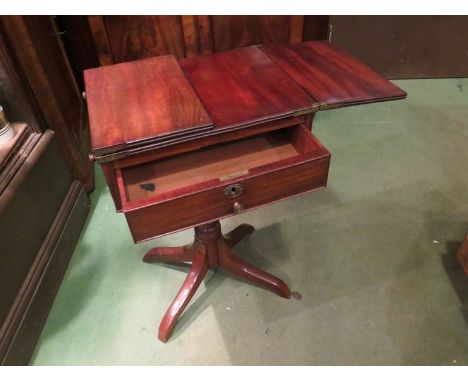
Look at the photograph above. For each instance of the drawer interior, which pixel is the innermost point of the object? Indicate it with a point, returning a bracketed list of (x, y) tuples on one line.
[(222, 162)]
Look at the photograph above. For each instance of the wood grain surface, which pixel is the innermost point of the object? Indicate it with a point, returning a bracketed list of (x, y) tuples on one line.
[(137, 102), (179, 144), (101, 41), (235, 31), (192, 143), (243, 86), (137, 37), (199, 203), (331, 76), (214, 162)]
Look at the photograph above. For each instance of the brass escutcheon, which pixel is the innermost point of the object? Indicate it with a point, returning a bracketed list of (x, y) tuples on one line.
[(233, 190)]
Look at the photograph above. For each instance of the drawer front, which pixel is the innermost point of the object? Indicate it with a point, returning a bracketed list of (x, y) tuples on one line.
[(221, 201)]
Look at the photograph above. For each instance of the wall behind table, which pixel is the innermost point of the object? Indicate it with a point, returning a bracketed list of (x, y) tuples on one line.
[(406, 46)]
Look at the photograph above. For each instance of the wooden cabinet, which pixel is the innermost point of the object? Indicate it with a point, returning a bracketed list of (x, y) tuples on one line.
[(43, 201), (124, 38), (42, 211), (42, 66)]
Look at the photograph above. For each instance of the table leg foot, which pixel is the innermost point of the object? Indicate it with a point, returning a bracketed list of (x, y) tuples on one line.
[(169, 255), (195, 276), (237, 234), (250, 272), (210, 249)]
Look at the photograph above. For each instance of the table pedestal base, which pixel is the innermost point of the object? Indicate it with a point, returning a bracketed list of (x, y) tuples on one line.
[(210, 249)]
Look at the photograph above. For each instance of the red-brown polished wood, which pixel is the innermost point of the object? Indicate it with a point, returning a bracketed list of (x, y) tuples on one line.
[(179, 144), (235, 31), (124, 38), (242, 87), (259, 151), (331, 76), (137, 37), (151, 153), (462, 255), (139, 102), (210, 249), (189, 189)]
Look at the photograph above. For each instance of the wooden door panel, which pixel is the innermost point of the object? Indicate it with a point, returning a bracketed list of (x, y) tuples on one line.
[(134, 37), (231, 32), (126, 38)]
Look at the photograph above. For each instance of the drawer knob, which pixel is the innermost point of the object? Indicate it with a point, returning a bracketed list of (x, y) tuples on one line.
[(238, 207), (233, 190)]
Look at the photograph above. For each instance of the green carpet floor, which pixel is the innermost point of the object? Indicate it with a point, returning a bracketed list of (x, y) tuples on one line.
[(373, 257)]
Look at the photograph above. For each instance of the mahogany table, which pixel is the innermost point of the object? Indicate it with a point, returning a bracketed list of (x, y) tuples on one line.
[(186, 143)]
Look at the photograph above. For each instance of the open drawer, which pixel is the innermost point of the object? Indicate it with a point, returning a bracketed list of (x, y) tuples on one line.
[(214, 182)]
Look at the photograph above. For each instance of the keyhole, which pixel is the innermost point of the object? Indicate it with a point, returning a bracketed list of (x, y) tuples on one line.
[(233, 191)]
